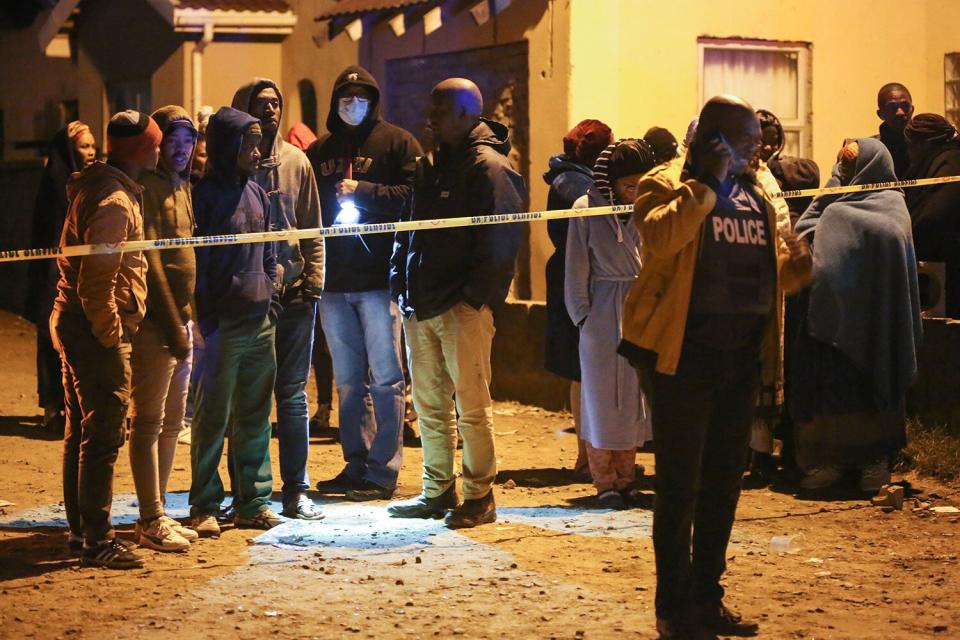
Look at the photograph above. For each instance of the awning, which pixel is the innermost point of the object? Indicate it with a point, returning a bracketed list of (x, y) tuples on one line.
[(357, 8), (256, 17)]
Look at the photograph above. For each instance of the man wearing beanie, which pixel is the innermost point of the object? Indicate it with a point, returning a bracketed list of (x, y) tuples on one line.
[(100, 303), (162, 347), (286, 176), (364, 165)]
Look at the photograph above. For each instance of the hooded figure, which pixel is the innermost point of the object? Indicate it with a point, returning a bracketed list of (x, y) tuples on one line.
[(934, 148), (287, 178), (602, 263), (237, 308), (383, 158), (855, 354), (49, 212)]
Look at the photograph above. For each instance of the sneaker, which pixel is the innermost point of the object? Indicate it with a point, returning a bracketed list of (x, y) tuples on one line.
[(110, 554), (339, 484), (612, 500), (369, 491), (873, 476), (184, 436), (265, 519), (424, 507), (158, 534), (473, 513), (186, 532), (226, 513), (718, 619), (205, 525), (302, 508), (821, 478)]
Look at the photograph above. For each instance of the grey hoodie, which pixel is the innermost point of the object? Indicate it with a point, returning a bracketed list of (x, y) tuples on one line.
[(287, 177)]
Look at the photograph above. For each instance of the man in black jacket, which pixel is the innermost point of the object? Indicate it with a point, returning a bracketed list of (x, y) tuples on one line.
[(446, 281), (364, 168), (895, 108)]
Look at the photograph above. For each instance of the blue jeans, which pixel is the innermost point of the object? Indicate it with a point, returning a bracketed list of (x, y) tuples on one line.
[(363, 333), (294, 344)]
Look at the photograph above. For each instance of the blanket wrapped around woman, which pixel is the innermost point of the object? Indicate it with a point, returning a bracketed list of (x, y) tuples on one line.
[(856, 351)]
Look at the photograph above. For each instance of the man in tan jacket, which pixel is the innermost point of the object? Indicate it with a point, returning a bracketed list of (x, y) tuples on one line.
[(99, 306), (702, 324)]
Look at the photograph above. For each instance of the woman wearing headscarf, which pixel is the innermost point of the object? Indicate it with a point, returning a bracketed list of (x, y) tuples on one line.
[(855, 353), (602, 263), (933, 146), (570, 176), (72, 149)]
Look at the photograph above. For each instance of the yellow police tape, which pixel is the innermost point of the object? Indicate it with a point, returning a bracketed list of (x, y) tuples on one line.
[(15, 255)]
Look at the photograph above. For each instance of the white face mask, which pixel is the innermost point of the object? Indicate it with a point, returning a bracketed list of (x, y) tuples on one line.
[(353, 110)]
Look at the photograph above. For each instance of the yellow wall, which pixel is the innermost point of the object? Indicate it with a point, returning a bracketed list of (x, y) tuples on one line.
[(229, 65), (635, 62)]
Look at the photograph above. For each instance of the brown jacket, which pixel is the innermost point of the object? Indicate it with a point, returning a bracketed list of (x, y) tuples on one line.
[(110, 289), (670, 212)]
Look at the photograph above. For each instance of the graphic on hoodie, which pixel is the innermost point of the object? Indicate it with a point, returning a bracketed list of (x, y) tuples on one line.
[(383, 158)]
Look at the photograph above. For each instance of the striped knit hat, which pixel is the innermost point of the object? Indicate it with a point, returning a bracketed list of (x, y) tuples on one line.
[(132, 136), (625, 157)]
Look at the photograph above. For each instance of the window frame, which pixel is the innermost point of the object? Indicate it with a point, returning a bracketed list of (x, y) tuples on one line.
[(803, 123)]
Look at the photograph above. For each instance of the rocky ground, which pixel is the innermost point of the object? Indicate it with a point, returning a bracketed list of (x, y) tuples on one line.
[(553, 566)]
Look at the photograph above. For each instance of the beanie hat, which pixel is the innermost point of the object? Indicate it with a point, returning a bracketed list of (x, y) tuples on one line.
[(132, 136), (584, 142)]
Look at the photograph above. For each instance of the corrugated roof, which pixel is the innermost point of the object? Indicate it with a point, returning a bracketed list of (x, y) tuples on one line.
[(358, 7), (279, 6)]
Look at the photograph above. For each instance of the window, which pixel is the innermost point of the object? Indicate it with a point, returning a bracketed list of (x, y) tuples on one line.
[(951, 87), (769, 75)]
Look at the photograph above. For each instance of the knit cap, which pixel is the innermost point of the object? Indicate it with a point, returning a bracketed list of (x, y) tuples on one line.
[(132, 136)]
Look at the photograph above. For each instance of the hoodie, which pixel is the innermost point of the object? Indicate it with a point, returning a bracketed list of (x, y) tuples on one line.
[(435, 269), (109, 289), (168, 213), (384, 160), (233, 281), (287, 178), (49, 212)]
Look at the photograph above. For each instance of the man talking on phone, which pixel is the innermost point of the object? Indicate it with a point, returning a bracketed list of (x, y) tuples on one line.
[(702, 325)]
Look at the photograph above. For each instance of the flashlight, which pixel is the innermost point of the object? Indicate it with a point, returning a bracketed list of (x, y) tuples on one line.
[(349, 214)]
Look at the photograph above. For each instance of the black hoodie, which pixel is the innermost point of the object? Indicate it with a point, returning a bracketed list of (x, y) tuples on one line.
[(433, 270), (384, 160), (233, 281)]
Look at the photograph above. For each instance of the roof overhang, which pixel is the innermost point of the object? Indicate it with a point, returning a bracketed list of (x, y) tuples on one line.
[(265, 23)]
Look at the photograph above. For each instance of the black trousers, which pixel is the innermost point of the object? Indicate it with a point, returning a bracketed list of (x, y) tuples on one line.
[(701, 430), (96, 382)]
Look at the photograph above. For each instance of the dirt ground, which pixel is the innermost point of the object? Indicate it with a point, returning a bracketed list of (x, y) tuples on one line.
[(553, 566)]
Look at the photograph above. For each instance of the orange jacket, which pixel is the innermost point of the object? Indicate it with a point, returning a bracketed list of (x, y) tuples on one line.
[(109, 289), (670, 212)]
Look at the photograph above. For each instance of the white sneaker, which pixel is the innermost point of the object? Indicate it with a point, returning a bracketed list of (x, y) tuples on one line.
[(184, 436), (206, 526), (186, 532), (158, 534), (873, 476), (821, 478)]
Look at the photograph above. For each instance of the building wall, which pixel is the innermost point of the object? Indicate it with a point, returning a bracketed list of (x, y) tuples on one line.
[(229, 65), (645, 73), (32, 87), (544, 23)]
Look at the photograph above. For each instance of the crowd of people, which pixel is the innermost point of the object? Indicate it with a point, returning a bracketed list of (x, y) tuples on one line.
[(714, 318)]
